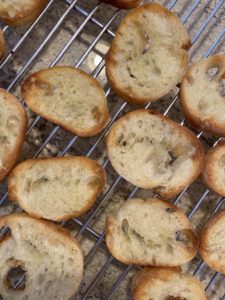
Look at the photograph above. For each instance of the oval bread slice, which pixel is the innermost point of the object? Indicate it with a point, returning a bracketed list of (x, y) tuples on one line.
[(56, 188), (202, 95), (2, 44), (148, 56), (152, 151), (67, 97), (125, 4), (50, 256), (13, 128), (20, 12), (166, 284), (212, 245), (150, 233), (213, 173)]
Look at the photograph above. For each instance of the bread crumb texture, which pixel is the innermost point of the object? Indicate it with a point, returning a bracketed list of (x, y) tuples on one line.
[(49, 257), (202, 94), (68, 97), (150, 232), (212, 245), (152, 151), (12, 131), (214, 169), (166, 284), (12, 8), (56, 188), (148, 55), (20, 12)]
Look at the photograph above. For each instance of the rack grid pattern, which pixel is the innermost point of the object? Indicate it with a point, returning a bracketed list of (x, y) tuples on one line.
[(101, 29)]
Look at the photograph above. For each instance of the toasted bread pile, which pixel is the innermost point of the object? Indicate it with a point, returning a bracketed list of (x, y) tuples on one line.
[(147, 59)]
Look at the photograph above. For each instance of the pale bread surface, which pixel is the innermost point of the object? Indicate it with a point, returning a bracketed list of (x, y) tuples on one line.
[(56, 188), (50, 256), (20, 12), (150, 232), (212, 242), (68, 97), (203, 95), (166, 284), (148, 56), (152, 151), (13, 128), (213, 173)]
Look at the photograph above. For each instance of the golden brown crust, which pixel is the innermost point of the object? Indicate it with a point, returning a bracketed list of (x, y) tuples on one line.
[(10, 161), (2, 44), (35, 77), (204, 239), (198, 157), (26, 16), (49, 225), (189, 253), (97, 168), (147, 277), (124, 4), (208, 173), (210, 125), (110, 61)]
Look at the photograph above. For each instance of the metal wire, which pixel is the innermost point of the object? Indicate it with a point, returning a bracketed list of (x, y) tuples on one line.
[(89, 17)]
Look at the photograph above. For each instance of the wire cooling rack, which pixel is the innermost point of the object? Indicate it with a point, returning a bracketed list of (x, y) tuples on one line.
[(79, 33)]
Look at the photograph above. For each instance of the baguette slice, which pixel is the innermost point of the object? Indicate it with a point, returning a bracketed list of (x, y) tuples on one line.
[(166, 284), (148, 56), (56, 188), (67, 97), (124, 4), (151, 233), (2, 44), (152, 151), (13, 128), (202, 95), (212, 242), (213, 174), (20, 12), (50, 256)]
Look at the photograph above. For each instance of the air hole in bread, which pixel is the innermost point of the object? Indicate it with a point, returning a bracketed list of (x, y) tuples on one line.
[(125, 227), (40, 181), (3, 140), (190, 79), (175, 298), (96, 113), (12, 122), (94, 182), (187, 237), (147, 43), (16, 278), (1, 298), (170, 210), (172, 157), (140, 123), (222, 87), (212, 72), (5, 232), (130, 73), (169, 248)]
